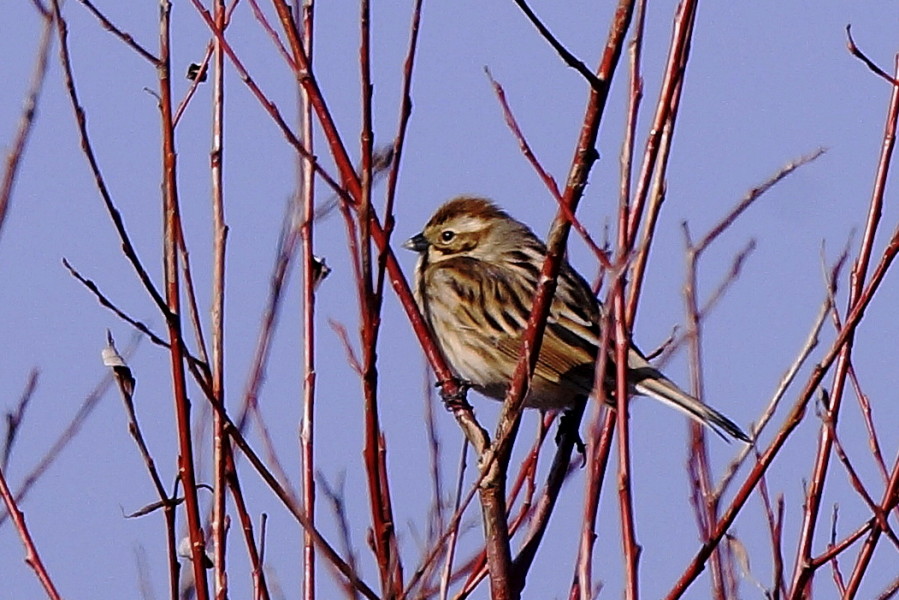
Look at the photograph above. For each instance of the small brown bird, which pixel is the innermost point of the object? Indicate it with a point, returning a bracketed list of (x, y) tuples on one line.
[(475, 282)]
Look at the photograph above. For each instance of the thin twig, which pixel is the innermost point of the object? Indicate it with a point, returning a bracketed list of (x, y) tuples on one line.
[(835, 548), (14, 417), (335, 495), (570, 59), (107, 303), (802, 575), (126, 383), (855, 481), (890, 591), (652, 178), (289, 501), (285, 254), (705, 504), (384, 542), (29, 113), (437, 518), (775, 530), (32, 557), (857, 53), (626, 160), (306, 197), (171, 232), (793, 419), (400, 139), (276, 40), (722, 225), (87, 147), (200, 368), (220, 444), (69, 432), (753, 195), (873, 438), (811, 342), (834, 563), (454, 536), (270, 105), (119, 33), (201, 69), (678, 53), (864, 404), (256, 554), (889, 501), (548, 180)]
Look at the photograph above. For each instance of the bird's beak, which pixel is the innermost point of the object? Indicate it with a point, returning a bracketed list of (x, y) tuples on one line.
[(418, 243)]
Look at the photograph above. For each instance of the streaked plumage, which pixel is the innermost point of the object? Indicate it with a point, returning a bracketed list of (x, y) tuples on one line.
[(475, 281)]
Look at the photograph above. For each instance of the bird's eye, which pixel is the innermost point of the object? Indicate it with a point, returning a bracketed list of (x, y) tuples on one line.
[(447, 235)]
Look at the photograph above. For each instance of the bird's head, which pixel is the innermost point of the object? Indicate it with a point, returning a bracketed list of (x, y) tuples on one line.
[(468, 227)]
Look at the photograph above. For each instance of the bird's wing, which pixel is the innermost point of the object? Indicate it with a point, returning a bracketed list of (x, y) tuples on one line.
[(556, 358), (568, 350)]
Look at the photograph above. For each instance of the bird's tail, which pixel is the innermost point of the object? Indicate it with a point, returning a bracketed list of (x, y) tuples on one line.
[(649, 381)]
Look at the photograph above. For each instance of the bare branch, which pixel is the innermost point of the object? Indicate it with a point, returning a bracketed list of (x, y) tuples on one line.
[(802, 575), (753, 195), (570, 59), (122, 35), (29, 114), (14, 418), (857, 53), (32, 557)]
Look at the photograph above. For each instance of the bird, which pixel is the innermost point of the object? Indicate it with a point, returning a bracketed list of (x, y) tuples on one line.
[(475, 282)]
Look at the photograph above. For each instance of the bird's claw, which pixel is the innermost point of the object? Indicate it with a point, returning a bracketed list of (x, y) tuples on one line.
[(457, 398)]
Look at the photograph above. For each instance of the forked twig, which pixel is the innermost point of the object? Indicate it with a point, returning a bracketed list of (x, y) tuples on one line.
[(14, 417), (548, 180), (126, 383), (802, 575), (69, 432), (793, 419)]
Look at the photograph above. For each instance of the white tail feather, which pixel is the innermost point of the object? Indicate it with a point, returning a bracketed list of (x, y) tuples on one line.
[(661, 388)]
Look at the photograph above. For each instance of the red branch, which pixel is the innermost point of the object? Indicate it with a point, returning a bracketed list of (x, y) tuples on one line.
[(172, 231), (802, 573), (31, 554), (793, 419)]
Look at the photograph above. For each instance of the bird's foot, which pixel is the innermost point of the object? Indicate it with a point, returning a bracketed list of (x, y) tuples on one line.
[(457, 397)]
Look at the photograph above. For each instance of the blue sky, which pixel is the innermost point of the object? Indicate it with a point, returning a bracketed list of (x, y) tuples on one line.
[(767, 82)]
